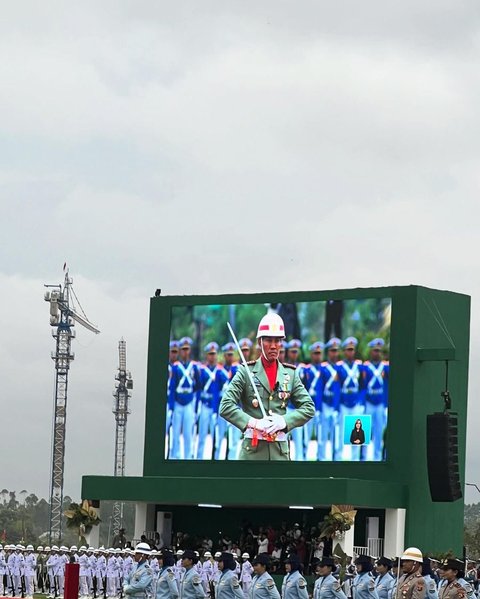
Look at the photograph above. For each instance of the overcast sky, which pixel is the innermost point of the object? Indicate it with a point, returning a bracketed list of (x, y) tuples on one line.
[(220, 146)]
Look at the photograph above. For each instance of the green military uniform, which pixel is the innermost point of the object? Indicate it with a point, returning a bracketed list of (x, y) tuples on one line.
[(239, 404)]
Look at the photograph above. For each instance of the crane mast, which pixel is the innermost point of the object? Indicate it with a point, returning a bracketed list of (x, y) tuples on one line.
[(121, 410), (62, 317)]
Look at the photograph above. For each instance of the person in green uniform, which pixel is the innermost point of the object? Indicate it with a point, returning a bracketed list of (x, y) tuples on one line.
[(278, 385)]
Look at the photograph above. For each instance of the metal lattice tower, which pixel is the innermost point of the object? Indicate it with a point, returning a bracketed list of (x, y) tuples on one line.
[(62, 317), (121, 409)]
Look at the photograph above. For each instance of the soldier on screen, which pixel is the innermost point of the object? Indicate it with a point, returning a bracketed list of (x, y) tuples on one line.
[(375, 376), (231, 366), (293, 357), (246, 347), (330, 398), (349, 373), (182, 391), (265, 426), (282, 352), (312, 379), (212, 377)]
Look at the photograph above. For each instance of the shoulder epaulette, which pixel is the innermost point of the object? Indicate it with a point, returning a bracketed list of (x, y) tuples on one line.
[(250, 362), (367, 362), (358, 361), (324, 363), (385, 362), (287, 365), (339, 363)]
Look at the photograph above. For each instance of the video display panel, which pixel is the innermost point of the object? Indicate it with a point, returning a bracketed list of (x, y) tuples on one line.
[(329, 386)]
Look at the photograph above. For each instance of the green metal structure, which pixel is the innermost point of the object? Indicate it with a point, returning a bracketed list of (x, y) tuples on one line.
[(428, 328)]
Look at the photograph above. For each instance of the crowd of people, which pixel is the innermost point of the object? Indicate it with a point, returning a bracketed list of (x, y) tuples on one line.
[(144, 573), (340, 384), (276, 541)]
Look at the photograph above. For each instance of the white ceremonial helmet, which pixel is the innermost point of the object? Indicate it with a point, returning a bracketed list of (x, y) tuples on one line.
[(245, 555), (271, 325), (143, 548), (412, 553)]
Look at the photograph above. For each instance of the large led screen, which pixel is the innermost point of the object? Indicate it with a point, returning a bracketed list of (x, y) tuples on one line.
[(329, 385)]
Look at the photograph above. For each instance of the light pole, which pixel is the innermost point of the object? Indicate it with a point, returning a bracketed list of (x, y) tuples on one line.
[(473, 485)]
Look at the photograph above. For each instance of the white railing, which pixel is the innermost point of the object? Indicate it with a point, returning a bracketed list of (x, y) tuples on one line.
[(374, 548)]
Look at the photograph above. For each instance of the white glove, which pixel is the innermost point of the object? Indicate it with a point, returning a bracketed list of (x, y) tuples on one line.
[(261, 425), (276, 423)]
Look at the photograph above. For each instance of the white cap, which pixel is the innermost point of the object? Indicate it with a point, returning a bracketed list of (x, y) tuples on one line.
[(63, 548), (218, 554), (29, 547), (414, 554), (180, 552), (271, 325), (207, 554), (73, 548), (143, 548), (245, 555), (39, 548), (54, 548)]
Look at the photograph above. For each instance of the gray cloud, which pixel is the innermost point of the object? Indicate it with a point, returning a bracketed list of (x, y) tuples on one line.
[(218, 147)]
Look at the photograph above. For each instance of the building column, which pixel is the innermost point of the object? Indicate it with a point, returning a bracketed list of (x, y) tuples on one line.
[(394, 532), (144, 519)]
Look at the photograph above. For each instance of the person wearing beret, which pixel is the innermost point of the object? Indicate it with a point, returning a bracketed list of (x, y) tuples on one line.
[(294, 584), (263, 585), (327, 586), (363, 585), (451, 589), (411, 584), (191, 586), (384, 581), (166, 586), (228, 586)]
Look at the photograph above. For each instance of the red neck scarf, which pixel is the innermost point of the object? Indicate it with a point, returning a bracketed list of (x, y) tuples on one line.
[(271, 369)]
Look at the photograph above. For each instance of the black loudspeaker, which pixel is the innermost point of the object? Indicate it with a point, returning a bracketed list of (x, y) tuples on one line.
[(442, 457)]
